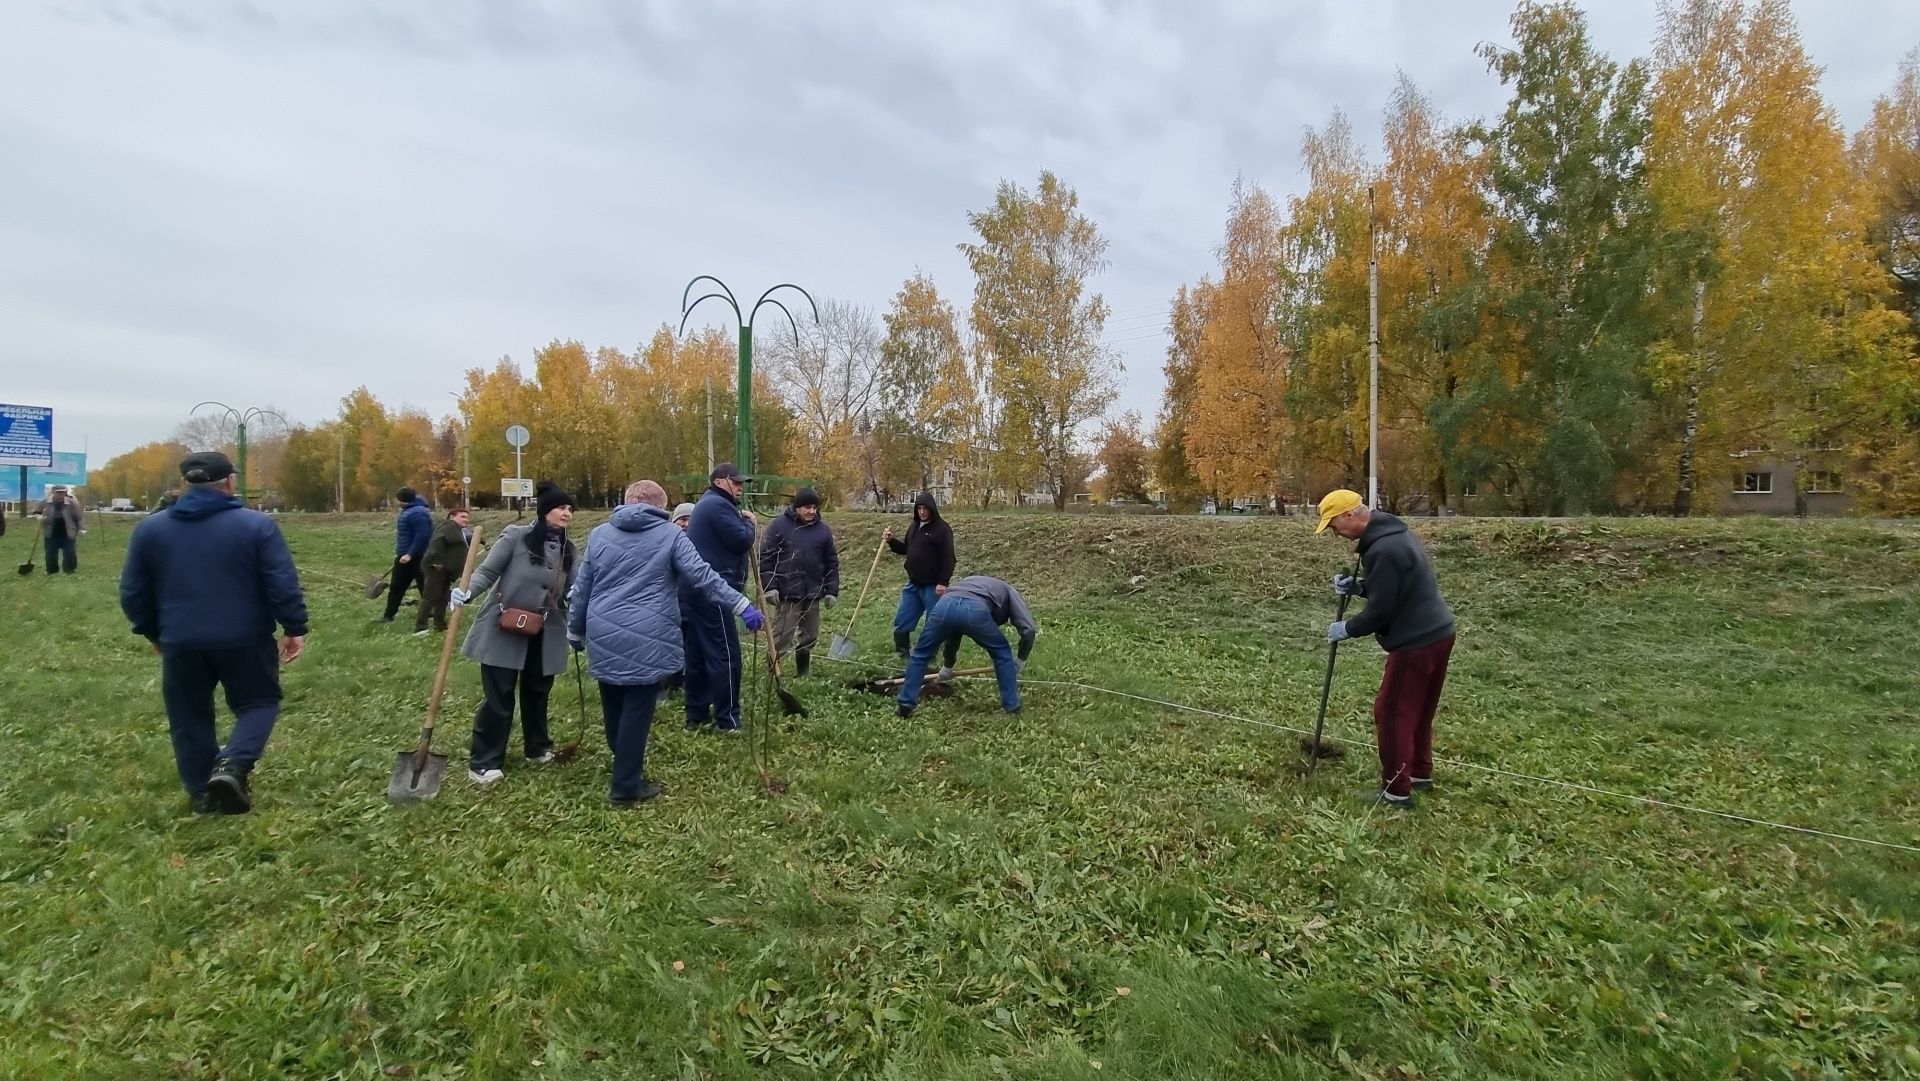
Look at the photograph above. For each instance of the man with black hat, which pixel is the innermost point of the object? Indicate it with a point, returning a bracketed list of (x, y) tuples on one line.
[(206, 581), (800, 574), (722, 532), (412, 530)]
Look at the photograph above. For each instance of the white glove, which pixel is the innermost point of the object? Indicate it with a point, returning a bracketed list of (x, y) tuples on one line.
[(946, 672), (458, 597), (829, 601), (772, 597)]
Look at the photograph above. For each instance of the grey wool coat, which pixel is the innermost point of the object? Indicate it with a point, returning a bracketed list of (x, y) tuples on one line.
[(513, 578)]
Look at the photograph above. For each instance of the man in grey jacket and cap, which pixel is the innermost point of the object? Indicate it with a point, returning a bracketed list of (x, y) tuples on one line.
[(626, 614), (976, 608)]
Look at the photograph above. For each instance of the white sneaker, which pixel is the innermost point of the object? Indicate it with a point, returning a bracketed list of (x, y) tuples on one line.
[(946, 674), (485, 776), (421, 633), (543, 759)]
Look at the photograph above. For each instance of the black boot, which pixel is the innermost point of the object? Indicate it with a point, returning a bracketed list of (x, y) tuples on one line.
[(802, 661), (228, 789), (201, 804), (901, 643)]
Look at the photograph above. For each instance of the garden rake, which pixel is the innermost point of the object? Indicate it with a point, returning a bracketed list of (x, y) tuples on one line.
[(1315, 750), (843, 647), (417, 773)]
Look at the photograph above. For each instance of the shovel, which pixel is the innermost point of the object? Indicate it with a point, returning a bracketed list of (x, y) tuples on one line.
[(417, 773), (33, 546), (789, 704), (1316, 751), (843, 647), (376, 585), (567, 752)]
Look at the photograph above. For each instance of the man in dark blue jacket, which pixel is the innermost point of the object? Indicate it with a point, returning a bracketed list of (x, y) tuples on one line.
[(800, 574), (722, 532), (205, 582), (411, 532)]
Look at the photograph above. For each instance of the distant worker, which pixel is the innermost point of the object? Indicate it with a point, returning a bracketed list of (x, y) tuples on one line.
[(440, 566), (62, 524), (722, 532), (625, 612), (206, 581), (1411, 621), (929, 550), (976, 608), (800, 572), (411, 532)]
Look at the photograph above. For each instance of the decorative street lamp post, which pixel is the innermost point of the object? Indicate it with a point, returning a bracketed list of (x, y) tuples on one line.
[(240, 436), (743, 436)]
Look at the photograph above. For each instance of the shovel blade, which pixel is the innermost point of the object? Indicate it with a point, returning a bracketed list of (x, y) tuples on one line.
[(842, 648), (376, 586), (407, 784), (26, 568)]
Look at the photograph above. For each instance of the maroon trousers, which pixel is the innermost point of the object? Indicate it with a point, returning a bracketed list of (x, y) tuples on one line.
[(1403, 714)]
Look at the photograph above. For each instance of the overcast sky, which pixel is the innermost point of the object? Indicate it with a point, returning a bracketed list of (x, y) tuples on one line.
[(273, 203)]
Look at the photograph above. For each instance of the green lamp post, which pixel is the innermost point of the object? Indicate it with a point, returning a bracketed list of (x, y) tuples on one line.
[(743, 437), (240, 419)]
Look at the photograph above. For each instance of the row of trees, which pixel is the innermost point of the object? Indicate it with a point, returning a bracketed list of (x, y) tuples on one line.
[(1588, 303)]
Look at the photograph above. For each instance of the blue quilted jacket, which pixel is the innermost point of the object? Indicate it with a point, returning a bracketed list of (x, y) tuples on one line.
[(625, 600)]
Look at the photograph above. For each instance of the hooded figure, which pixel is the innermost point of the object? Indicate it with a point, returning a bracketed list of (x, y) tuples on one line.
[(411, 532), (929, 551)]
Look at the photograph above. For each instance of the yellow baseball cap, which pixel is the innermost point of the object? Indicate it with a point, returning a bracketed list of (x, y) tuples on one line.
[(1335, 503)]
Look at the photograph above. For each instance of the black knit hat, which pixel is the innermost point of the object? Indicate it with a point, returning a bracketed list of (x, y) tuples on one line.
[(406, 495), (550, 496), (806, 497)]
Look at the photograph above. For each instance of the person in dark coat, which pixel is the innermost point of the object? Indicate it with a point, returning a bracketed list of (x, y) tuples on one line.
[(411, 532), (440, 566), (625, 613), (1411, 621), (929, 550), (206, 581), (526, 565), (799, 576), (722, 532), (62, 523), (976, 608)]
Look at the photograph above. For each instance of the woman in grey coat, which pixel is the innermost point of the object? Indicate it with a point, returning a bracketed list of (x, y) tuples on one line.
[(521, 569)]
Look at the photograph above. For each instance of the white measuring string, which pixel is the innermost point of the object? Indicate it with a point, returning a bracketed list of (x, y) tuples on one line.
[(1573, 785)]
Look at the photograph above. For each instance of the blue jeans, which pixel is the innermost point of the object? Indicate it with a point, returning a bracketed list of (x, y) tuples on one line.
[(628, 713), (949, 619), (251, 677), (914, 600)]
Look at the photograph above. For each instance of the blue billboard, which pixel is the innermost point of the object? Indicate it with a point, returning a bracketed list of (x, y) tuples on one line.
[(68, 468), (26, 435)]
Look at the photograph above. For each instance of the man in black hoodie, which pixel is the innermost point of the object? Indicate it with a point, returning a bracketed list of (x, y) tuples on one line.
[(929, 552), (1412, 622)]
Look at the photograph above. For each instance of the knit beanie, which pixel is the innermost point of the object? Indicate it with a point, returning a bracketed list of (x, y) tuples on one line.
[(548, 497), (806, 497)]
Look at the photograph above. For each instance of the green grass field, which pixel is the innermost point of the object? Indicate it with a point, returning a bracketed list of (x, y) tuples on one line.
[(1098, 888)]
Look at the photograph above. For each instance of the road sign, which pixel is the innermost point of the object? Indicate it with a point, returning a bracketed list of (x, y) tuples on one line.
[(517, 436), (466, 480), (516, 487), (26, 435)]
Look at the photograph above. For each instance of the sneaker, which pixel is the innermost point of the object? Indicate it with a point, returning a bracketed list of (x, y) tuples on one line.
[(485, 776), (422, 633), (903, 712), (542, 758), (201, 804), (648, 790), (1423, 784), (227, 789), (729, 729), (1380, 797)]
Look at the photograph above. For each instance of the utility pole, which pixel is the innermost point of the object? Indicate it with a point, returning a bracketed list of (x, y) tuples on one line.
[(340, 478), (1373, 354), (743, 435), (709, 423)]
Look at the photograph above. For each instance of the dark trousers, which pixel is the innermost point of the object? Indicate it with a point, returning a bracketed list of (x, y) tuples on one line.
[(250, 675), (403, 575), (494, 721), (434, 594), (628, 713), (1403, 714), (951, 618), (63, 553), (713, 665)]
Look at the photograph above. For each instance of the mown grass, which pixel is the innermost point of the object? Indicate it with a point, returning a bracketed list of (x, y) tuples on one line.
[(1100, 888)]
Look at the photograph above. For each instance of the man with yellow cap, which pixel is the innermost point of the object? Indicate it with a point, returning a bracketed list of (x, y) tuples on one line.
[(1412, 622)]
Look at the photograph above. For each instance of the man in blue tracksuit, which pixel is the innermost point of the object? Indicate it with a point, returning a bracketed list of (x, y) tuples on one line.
[(722, 532), (976, 607), (625, 612), (411, 532), (206, 581)]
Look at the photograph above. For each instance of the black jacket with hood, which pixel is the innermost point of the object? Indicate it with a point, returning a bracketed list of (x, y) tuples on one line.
[(1404, 606), (928, 546)]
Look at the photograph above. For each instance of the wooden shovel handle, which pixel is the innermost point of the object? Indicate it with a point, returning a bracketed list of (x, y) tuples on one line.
[(857, 605), (446, 644)]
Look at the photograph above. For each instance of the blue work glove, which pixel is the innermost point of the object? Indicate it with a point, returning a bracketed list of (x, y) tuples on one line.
[(1346, 585), (1337, 632), (753, 618), (458, 597)]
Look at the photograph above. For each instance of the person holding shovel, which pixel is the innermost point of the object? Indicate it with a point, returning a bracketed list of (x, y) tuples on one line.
[(519, 636), (800, 574), (975, 608), (928, 547), (722, 532), (205, 581), (439, 565), (62, 523), (625, 613), (1411, 621)]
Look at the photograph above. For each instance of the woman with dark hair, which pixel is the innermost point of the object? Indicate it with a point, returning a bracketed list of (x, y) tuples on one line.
[(530, 568)]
